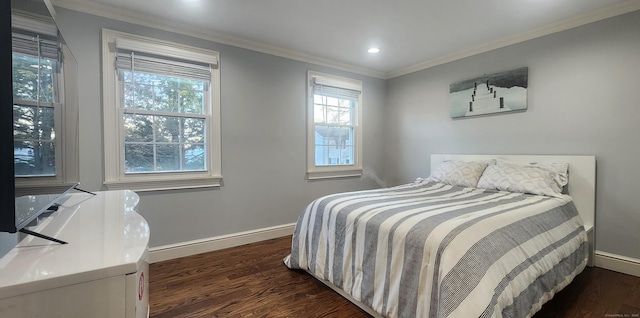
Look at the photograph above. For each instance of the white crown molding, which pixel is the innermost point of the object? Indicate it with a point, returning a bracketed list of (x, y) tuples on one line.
[(593, 16), (205, 34), (153, 22)]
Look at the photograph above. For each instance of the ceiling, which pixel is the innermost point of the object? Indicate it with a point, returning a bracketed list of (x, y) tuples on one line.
[(411, 34)]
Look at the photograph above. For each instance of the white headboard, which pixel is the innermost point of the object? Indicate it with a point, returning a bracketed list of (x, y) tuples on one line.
[(582, 177)]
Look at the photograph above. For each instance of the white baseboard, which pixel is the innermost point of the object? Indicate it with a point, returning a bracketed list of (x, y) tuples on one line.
[(618, 263), (167, 252)]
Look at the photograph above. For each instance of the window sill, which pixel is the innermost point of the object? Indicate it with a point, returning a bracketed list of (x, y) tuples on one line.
[(156, 184), (334, 174)]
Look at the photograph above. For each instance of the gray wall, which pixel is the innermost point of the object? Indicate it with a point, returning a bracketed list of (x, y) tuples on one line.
[(583, 99), (263, 102)]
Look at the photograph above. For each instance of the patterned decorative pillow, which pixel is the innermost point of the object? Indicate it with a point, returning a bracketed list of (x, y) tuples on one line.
[(562, 169), (522, 179), (459, 173)]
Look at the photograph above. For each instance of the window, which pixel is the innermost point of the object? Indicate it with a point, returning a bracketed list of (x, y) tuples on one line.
[(44, 129), (334, 142), (162, 114)]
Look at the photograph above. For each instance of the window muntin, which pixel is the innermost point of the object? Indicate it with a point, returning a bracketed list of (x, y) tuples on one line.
[(34, 78), (334, 126)]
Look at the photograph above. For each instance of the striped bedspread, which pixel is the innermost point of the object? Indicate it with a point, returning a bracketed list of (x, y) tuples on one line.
[(432, 250)]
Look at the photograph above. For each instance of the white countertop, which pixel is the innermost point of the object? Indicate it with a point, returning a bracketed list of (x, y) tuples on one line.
[(106, 237)]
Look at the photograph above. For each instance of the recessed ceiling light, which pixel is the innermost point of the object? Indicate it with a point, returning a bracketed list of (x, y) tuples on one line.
[(373, 50)]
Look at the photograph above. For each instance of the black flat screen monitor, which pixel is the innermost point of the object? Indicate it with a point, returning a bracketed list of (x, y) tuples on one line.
[(21, 205), (29, 207)]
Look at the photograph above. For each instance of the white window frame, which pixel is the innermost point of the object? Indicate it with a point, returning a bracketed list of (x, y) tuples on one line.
[(65, 117), (114, 174), (332, 171)]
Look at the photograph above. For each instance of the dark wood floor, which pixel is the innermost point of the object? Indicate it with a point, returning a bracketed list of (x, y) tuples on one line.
[(252, 281)]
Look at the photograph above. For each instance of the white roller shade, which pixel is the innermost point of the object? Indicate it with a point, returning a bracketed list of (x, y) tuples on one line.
[(138, 62), (35, 35), (336, 89), (33, 23)]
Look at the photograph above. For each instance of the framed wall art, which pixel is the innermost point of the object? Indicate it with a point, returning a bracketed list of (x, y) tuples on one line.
[(490, 94)]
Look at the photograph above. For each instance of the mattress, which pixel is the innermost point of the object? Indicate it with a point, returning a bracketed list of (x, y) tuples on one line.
[(428, 249)]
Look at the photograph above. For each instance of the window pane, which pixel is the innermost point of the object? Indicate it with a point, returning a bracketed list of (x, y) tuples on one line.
[(343, 135), (167, 129), (322, 155), (192, 96), (33, 78), (333, 115), (347, 136), (345, 103), (344, 116), (162, 97), (168, 157), (194, 157), (33, 123), (334, 145), (321, 134), (163, 93), (138, 158), (166, 96), (333, 110), (142, 92), (346, 155), (332, 101), (129, 97), (341, 115), (34, 140), (193, 130), (319, 114), (332, 155), (138, 128), (33, 158), (178, 143)]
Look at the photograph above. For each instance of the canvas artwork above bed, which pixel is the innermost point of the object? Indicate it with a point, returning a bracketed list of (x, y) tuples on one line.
[(488, 236)]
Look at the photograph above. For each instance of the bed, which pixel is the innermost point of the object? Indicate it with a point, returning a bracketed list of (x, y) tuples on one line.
[(442, 248)]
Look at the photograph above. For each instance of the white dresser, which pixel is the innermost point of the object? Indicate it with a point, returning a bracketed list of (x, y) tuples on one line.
[(103, 271)]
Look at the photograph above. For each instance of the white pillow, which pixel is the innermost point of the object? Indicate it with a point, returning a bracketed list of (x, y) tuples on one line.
[(459, 173), (522, 179), (561, 168)]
